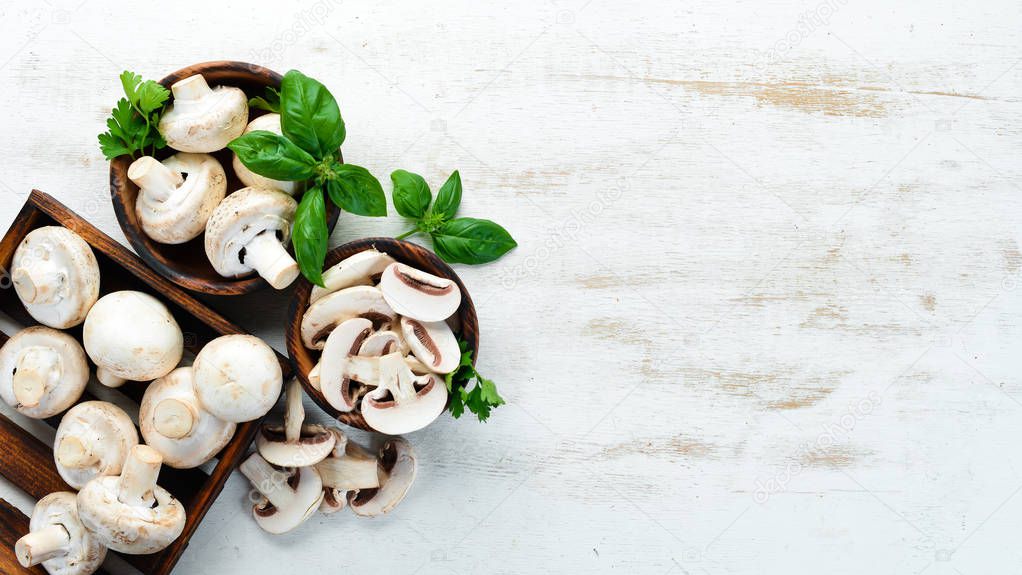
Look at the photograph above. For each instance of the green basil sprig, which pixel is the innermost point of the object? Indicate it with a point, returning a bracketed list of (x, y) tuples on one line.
[(455, 240), (309, 151)]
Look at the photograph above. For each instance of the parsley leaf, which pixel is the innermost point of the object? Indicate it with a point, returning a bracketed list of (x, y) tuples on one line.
[(481, 399), (131, 127)]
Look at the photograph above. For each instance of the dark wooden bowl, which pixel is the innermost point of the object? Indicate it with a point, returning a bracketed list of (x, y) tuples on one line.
[(464, 322), (186, 264)]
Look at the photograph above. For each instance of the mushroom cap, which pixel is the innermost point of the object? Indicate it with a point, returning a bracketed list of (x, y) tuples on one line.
[(343, 342), (315, 443), (333, 309), (432, 343), (362, 268), (416, 294), (203, 435), (133, 336), (131, 529), (270, 123), (182, 216), (56, 276), (84, 552), (239, 218), (403, 402), (398, 464), (201, 119), (93, 439), (304, 490), (237, 378), (53, 371)]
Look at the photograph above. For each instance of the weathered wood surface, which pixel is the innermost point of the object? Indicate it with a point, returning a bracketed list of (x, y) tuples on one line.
[(764, 317)]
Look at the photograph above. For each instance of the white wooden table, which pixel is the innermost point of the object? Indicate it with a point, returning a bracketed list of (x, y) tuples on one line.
[(764, 315)]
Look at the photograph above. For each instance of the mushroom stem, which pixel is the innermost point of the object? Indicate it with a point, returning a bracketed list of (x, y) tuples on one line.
[(295, 414), (38, 283), (42, 545), (139, 475), (109, 379), (191, 88), (73, 453), (32, 374), (157, 180), (356, 469), (267, 480), (265, 254), (174, 418)]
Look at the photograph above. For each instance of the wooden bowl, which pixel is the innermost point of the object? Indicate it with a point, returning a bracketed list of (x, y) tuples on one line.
[(464, 321), (186, 264)]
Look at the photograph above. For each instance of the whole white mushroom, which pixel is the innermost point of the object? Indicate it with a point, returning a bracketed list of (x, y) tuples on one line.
[(56, 276), (177, 196), (201, 119)]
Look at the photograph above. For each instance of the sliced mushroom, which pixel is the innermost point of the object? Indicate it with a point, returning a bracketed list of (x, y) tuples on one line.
[(130, 513), (42, 372), (403, 402), (269, 123), (176, 197), (58, 540), (383, 342), (248, 231), (294, 444), (349, 468), (396, 470), (335, 499), (314, 376), (363, 268), (332, 310), (237, 378), (201, 119), (289, 497), (93, 440), (337, 374), (131, 335), (416, 294), (433, 343), (56, 276), (174, 423)]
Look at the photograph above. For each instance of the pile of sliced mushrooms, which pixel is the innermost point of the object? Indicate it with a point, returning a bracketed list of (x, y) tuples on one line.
[(185, 195)]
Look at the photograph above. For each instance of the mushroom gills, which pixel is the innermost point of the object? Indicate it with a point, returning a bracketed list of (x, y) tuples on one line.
[(433, 343), (419, 295), (333, 309)]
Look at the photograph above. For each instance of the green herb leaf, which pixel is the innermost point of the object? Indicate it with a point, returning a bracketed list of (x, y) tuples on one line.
[(309, 115), (132, 126), (411, 194), (270, 101), (151, 96), (357, 191), (471, 241), (310, 235), (481, 399), (448, 198), (273, 156)]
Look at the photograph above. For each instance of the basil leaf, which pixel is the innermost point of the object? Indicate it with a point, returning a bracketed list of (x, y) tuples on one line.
[(309, 115), (411, 194), (357, 191), (269, 102), (273, 156), (309, 235), (471, 241), (449, 197)]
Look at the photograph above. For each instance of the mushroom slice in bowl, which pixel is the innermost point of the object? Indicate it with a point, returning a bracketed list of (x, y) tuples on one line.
[(177, 196), (382, 343), (362, 268), (56, 276), (403, 402), (342, 376), (58, 540), (294, 444), (332, 310), (416, 294), (42, 371), (93, 440), (432, 343)]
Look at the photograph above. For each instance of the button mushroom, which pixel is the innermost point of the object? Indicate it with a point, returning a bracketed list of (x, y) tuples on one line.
[(248, 231), (433, 343), (294, 444), (130, 335), (341, 385), (178, 195), (269, 123), (56, 276), (332, 310), (174, 423), (237, 378), (289, 497), (419, 295), (130, 513), (58, 540), (372, 485), (201, 119), (93, 439), (362, 268), (42, 371), (403, 402)]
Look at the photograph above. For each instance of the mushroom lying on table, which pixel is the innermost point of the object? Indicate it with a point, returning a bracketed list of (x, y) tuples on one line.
[(372, 484), (56, 276), (177, 196), (202, 119), (58, 540), (237, 378), (42, 372), (93, 439), (268, 123), (130, 513), (174, 422), (131, 335), (248, 231), (294, 444), (288, 496)]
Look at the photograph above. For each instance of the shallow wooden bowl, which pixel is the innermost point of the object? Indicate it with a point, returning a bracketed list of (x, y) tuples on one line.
[(464, 322), (186, 264)]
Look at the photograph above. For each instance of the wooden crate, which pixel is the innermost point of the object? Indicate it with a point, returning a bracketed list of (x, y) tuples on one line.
[(28, 462)]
